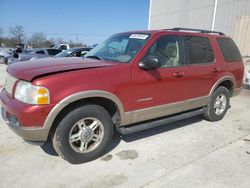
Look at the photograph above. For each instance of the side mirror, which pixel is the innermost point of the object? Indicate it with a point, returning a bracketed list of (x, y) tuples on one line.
[(150, 62)]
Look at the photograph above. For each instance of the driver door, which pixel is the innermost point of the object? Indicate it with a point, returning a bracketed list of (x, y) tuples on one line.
[(164, 90)]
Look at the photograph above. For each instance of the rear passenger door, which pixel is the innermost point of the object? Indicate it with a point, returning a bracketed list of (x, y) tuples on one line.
[(202, 67)]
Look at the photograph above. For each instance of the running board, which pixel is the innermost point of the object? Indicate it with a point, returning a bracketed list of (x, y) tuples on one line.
[(159, 122)]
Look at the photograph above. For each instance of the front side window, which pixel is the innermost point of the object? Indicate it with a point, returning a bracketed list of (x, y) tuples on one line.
[(167, 50), (199, 50), (76, 54), (80, 53), (119, 48)]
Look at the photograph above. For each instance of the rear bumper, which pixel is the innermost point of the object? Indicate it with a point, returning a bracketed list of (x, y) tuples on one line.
[(23, 119)]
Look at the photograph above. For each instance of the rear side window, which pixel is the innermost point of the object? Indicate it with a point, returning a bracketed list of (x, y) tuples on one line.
[(40, 52), (53, 51), (229, 49), (199, 50)]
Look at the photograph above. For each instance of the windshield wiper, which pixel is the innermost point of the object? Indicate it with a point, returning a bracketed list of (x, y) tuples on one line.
[(94, 57)]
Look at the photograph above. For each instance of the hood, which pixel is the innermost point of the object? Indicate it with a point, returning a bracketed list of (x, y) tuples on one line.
[(28, 70)]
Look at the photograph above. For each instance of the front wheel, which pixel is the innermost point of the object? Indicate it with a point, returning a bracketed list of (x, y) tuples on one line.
[(83, 134), (218, 105), (2, 60)]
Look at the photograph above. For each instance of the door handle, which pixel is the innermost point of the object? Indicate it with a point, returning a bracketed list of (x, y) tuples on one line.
[(214, 70), (178, 74)]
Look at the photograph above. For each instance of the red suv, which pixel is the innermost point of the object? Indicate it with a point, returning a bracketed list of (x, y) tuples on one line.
[(131, 82)]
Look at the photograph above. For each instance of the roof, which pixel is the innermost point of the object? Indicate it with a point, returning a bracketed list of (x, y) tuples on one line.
[(178, 30)]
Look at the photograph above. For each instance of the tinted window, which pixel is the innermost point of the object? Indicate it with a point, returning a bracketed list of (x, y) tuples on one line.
[(63, 47), (53, 51), (76, 54), (40, 52), (229, 49), (80, 53), (167, 50), (199, 49)]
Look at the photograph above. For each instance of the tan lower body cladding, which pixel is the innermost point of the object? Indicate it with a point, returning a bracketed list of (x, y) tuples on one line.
[(164, 110)]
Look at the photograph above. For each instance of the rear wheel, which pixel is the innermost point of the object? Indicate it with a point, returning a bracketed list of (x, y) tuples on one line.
[(218, 104), (83, 134)]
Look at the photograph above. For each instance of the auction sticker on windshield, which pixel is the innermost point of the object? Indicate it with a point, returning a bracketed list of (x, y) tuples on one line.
[(138, 36)]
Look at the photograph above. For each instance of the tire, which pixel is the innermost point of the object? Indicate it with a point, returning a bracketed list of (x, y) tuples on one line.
[(83, 134), (218, 105), (2, 60)]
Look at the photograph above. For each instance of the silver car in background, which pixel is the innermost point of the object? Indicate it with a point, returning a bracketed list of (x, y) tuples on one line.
[(38, 53), (34, 54), (74, 52), (5, 54)]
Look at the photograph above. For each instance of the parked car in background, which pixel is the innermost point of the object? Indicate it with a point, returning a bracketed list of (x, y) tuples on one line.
[(61, 47), (247, 74), (5, 54), (39, 53), (73, 52), (34, 54)]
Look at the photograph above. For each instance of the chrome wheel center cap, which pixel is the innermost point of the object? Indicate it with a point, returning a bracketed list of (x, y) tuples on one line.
[(87, 135)]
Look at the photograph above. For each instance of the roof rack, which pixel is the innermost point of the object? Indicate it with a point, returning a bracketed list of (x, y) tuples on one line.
[(197, 30)]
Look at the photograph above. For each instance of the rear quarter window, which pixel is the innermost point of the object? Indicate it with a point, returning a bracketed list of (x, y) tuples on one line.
[(229, 50)]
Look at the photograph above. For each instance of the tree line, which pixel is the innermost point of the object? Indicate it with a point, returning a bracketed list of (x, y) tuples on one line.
[(36, 40)]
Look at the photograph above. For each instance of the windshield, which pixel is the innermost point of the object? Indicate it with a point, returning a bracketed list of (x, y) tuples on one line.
[(121, 48), (65, 53)]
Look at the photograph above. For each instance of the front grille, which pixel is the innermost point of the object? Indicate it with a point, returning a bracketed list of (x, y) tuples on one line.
[(9, 83)]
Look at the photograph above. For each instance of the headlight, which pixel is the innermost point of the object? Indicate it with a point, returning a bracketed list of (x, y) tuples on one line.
[(31, 94)]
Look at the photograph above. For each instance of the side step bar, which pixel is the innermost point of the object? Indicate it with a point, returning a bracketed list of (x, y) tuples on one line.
[(170, 119)]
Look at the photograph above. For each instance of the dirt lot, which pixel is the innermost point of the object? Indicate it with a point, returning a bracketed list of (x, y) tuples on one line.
[(190, 153)]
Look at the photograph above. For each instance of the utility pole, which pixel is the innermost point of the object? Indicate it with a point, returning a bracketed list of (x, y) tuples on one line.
[(149, 14), (214, 14)]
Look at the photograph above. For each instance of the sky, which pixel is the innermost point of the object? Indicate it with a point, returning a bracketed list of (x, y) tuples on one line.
[(88, 21)]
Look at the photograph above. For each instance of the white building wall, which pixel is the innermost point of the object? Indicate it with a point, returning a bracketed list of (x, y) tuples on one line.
[(232, 17)]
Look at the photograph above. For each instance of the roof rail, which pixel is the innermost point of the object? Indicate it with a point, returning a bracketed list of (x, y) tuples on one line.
[(197, 30)]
